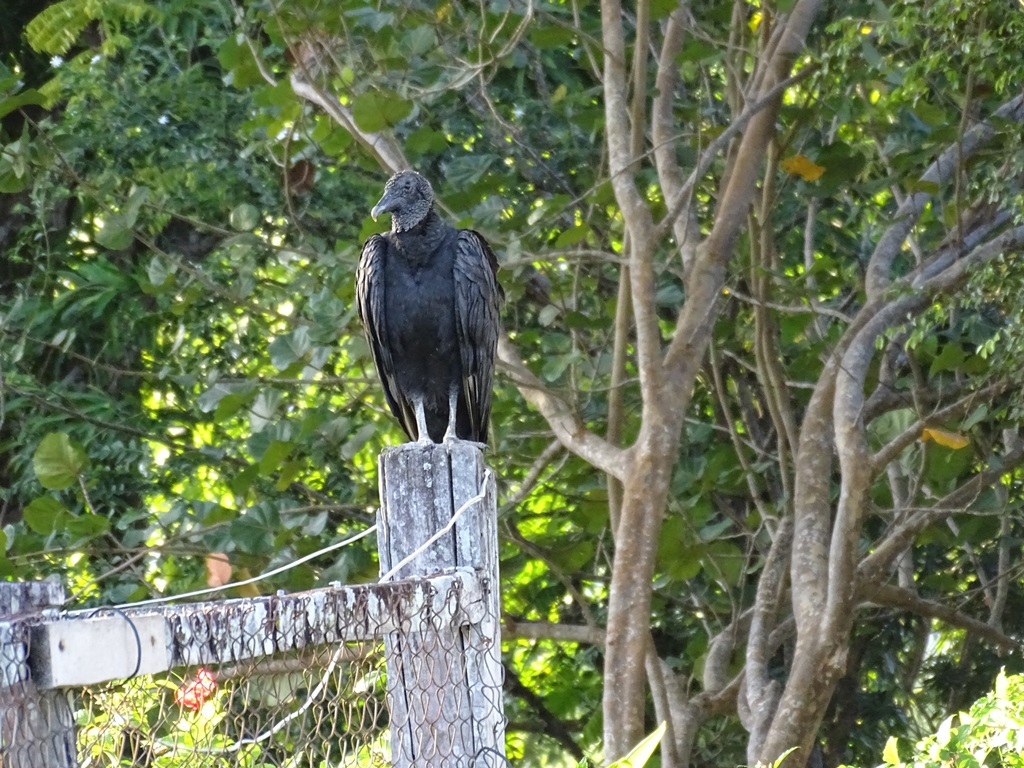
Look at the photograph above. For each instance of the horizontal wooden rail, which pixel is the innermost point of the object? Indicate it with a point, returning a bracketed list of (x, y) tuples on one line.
[(87, 647)]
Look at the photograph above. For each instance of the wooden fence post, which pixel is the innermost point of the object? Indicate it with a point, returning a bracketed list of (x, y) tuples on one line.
[(444, 686), (37, 729)]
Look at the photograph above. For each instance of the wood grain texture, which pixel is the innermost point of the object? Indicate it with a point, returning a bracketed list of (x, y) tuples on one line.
[(444, 685)]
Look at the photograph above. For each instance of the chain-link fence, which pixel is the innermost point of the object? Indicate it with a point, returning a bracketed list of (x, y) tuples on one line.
[(321, 707), (373, 675), (403, 673)]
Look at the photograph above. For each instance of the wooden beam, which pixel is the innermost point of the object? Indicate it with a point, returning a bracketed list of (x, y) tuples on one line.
[(37, 729), (89, 651), (444, 685), (64, 650)]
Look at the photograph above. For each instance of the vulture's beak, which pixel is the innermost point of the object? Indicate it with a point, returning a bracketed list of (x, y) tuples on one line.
[(386, 205)]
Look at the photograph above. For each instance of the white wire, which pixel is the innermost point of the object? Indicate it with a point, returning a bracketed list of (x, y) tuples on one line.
[(437, 535), (254, 579), (313, 555), (310, 698), (315, 693)]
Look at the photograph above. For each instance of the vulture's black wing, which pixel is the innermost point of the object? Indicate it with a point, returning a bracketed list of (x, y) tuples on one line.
[(373, 314), (477, 300)]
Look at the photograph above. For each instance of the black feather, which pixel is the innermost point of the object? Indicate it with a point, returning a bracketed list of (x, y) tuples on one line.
[(428, 298)]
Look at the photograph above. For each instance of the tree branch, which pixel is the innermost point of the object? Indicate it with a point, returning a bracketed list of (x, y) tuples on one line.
[(894, 447), (636, 214), (553, 727), (876, 565), (939, 172), (546, 630), (379, 145), (896, 597), (563, 422)]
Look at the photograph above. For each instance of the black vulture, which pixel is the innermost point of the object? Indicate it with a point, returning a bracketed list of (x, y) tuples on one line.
[(428, 298)]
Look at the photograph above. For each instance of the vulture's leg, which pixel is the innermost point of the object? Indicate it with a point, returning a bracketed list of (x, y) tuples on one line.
[(453, 404), (422, 434)]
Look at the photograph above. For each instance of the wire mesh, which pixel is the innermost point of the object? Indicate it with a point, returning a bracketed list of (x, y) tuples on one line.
[(396, 674), (323, 706)]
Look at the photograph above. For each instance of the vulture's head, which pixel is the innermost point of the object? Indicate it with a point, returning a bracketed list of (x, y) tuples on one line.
[(408, 197)]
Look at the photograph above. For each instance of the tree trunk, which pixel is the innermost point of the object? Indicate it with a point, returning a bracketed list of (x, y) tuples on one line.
[(636, 545)]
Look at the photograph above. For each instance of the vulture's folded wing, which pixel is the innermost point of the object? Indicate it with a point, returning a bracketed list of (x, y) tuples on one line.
[(477, 301), (373, 314)]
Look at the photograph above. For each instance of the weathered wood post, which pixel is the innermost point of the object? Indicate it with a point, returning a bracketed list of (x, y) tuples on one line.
[(37, 729), (444, 684)]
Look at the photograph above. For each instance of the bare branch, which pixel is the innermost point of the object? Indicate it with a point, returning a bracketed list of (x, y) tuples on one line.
[(894, 447), (636, 213), (897, 597), (563, 422), (378, 144), (876, 565), (906, 216), (546, 630), (663, 129), (533, 474)]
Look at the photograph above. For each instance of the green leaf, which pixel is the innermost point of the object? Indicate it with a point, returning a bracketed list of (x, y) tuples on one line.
[(237, 59), (698, 50), (57, 28), (552, 36), (469, 169), (45, 515), (289, 348), (244, 217), (891, 755), (871, 55), (261, 414), (357, 441), (421, 40), (11, 182), (160, 270), (229, 405), (374, 111), (642, 752), (87, 526), (547, 315), (58, 462), (116, 233), (289, 471), (572, 236), (781, 758), (724, 560), (276, 452), (136, 199), (28, 96), (950, 358), (661, 9), (211, 398)]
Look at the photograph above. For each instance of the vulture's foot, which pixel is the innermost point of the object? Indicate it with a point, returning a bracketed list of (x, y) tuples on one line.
[(453, 440)]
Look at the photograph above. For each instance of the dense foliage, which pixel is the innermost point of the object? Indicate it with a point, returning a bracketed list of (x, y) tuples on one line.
[(184, 189)]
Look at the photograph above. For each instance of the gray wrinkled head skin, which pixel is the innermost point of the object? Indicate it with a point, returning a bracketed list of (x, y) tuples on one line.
[(408, 197)]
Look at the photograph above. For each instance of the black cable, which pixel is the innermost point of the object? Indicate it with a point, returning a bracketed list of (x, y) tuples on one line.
[(135, 631)]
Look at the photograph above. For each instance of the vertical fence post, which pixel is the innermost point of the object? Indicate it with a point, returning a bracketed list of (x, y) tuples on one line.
[(37, 729), (444, 686)]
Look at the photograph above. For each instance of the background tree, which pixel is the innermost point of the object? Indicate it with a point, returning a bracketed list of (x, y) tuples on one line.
[(757, 428)]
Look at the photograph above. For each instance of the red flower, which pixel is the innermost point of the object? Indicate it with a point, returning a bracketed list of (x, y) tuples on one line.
[(193, 693)]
